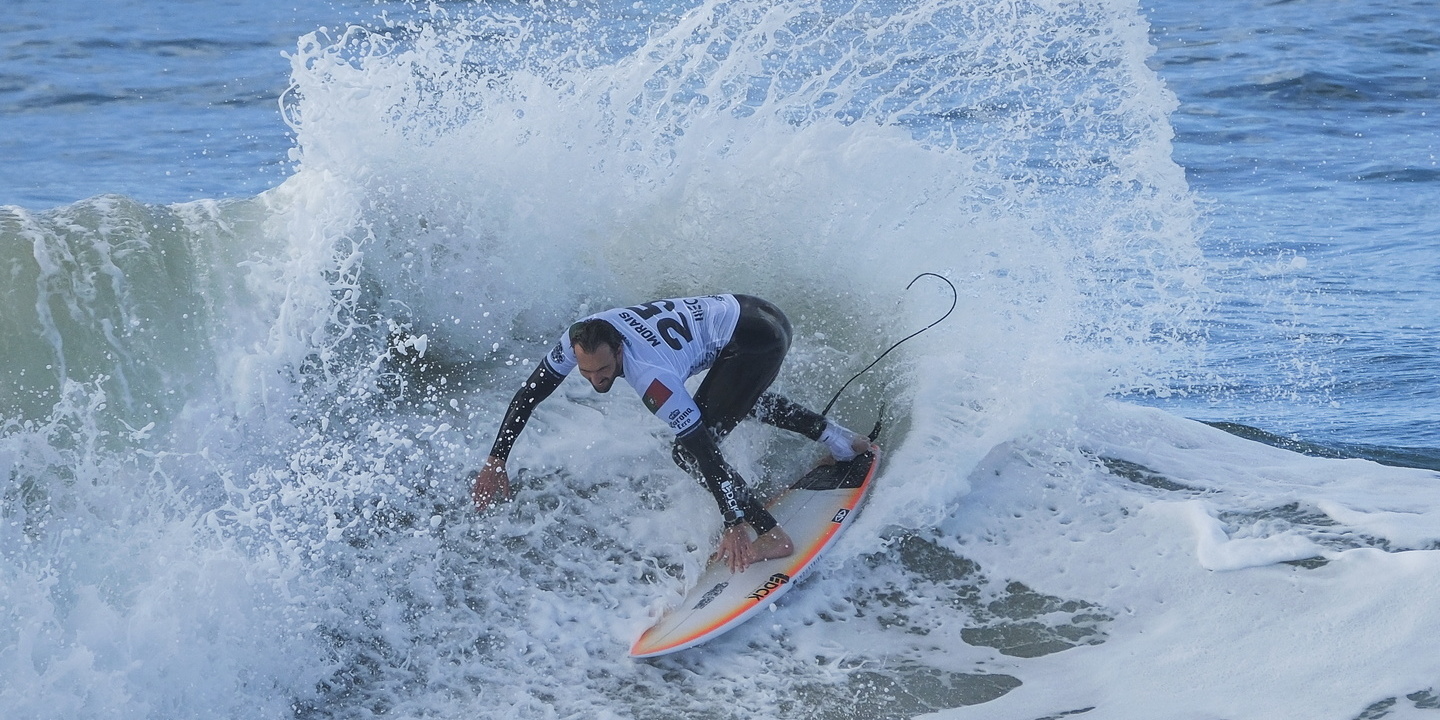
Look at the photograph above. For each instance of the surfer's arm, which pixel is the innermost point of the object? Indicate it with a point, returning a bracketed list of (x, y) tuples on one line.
[(736, 503), (540, 385), (492, 483)]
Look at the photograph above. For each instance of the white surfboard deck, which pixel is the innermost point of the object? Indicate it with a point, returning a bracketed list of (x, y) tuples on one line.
[(814, 511)]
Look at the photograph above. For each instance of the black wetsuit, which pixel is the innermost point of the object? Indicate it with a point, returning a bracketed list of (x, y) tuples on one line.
[(735, 388)]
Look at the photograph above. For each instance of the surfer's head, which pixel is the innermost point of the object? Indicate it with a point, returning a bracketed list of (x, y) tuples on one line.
[(597, 351)]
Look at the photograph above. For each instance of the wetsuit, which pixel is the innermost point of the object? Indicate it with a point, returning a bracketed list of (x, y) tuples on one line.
[(741, 339)]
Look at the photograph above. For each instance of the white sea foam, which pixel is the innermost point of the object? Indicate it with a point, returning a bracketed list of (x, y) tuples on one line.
[(1208, 623)]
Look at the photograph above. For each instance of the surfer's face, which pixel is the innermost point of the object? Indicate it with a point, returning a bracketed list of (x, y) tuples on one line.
[(600, 367)]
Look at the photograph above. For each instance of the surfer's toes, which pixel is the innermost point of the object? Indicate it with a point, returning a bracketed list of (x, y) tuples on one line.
[(844, 443), (773, 544)]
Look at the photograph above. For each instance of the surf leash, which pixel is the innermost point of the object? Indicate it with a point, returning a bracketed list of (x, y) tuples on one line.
[(954, 299)]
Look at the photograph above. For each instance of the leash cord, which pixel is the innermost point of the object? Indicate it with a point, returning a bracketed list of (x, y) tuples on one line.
[(954, 299)]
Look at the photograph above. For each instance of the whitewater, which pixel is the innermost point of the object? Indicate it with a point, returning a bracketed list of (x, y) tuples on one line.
[(1172, 456)]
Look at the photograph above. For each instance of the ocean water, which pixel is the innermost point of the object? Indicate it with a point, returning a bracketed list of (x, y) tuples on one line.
[(272, 271)]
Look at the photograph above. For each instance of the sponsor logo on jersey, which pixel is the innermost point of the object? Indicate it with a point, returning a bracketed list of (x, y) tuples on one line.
[(696, 308), (710, 595), (771, 585), (680, 419), (557, 356), (840, 516), (656, 395)]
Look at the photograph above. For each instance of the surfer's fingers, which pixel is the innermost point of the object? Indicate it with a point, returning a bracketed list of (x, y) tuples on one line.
[(491, 485), (734, 549)]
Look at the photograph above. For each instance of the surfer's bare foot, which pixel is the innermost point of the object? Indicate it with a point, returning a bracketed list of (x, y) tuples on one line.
[(845, 444), (773, 544), (738, 551)]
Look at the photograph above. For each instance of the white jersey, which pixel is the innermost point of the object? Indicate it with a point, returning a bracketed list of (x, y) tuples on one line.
[(666, 342)]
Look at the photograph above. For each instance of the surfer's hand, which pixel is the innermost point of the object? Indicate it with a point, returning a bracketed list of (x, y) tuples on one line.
[(735, 549), (492, 484)]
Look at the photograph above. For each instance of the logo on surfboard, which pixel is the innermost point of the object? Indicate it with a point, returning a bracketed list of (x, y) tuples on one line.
[(770, 586), (710, 595), (840, 516)]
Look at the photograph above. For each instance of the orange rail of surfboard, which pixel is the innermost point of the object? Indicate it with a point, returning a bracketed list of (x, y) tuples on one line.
[(814, 525)]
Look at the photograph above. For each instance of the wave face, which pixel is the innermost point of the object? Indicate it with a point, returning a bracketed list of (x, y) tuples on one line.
[(238, 432)]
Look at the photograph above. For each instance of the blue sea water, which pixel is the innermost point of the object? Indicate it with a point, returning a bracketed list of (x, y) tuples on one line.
[(162, 102), (1310, 128), (273, 269)]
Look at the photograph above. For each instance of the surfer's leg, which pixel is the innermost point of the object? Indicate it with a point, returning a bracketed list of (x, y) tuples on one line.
[(782, 412), (744, 369), (746, 366), (738, 382)]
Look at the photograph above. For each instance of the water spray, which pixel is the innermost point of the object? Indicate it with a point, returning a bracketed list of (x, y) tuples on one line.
[(954, 299)]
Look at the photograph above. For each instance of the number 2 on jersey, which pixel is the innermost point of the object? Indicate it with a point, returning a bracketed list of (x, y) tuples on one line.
[(674, 330)]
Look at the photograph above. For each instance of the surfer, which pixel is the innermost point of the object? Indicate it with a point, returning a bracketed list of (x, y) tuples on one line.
[(656, 346)]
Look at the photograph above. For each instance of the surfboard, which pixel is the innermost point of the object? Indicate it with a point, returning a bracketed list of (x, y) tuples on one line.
[(814, 511)]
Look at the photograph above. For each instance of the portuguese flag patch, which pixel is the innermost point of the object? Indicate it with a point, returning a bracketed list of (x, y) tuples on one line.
[(656, 395)]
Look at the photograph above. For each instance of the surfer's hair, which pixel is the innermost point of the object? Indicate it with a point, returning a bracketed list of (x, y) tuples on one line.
[(589, 335)]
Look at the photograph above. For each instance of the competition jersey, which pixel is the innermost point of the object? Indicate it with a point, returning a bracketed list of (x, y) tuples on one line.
[(666, 342)]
